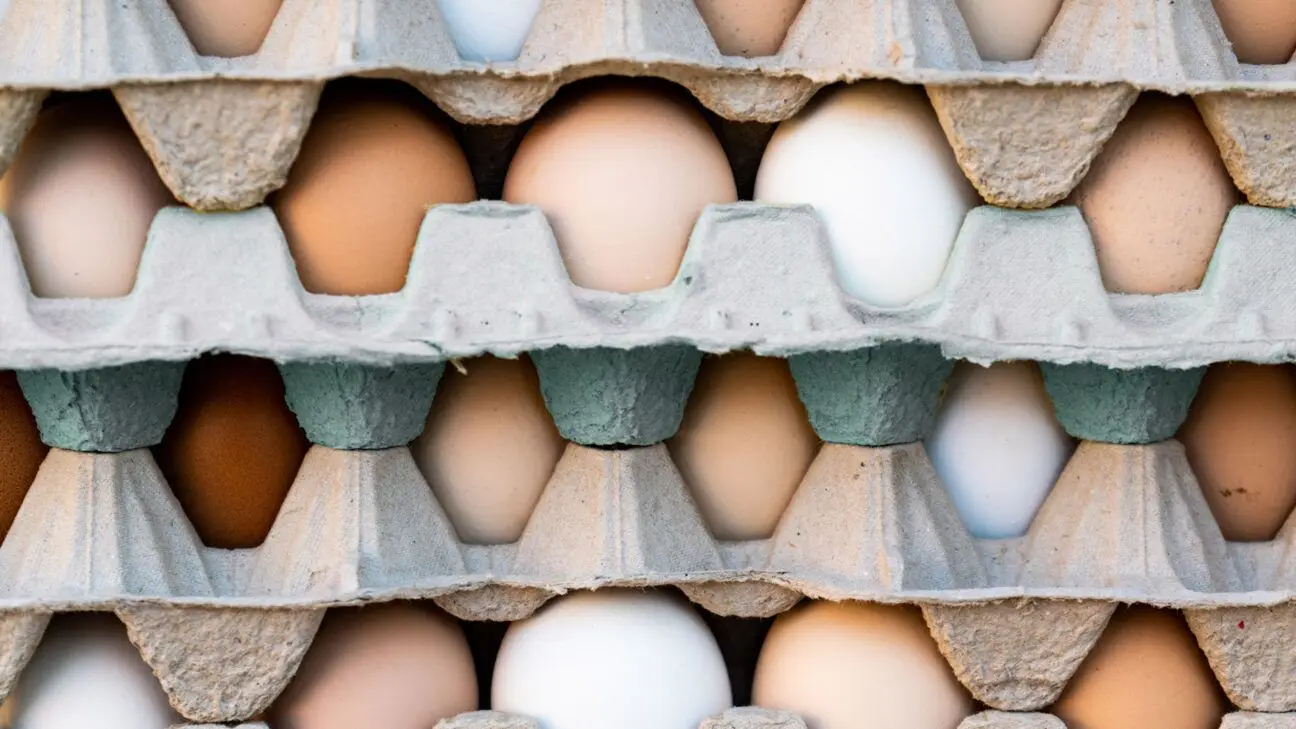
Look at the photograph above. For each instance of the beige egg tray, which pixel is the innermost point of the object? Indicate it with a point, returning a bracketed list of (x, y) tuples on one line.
[(198, 116)]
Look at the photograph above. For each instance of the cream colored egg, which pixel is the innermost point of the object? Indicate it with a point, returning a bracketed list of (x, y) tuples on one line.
[(226, 28), (744, 445), (749, 28), (1262, 31), (1146, 671), (872, 160), (81, 196), (1008, 30), (489, 448), (394, 666), (856, 665), (622, 171), (1156, 198)]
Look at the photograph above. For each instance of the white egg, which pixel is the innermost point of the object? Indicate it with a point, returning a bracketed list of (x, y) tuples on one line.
[(873, 161), (489, 30), (86, 674), (612, 658), (997, 446)]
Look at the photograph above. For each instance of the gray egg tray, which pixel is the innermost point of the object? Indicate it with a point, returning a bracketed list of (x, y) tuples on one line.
[(196, 116)]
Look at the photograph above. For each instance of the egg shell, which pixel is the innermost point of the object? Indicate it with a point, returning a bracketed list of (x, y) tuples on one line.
[(744, 445), (854, 665), (376, 157), (489, 31), (81, 195), (394, 666), (86, 674), (622, 171), (489, 448), (1240, 438), (226, 28), (997, 447), (872, 160), (1142, 405), (351, 406), (613, 658), (21, 450), (749, 28), (1156, 198), (104, 410), (233, 450), (1008, 30), (1262, 31), (1145, 671)]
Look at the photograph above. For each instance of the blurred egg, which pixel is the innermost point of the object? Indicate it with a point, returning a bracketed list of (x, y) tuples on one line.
[(997, 446), (1240, 437), (394, 666), (21, 450), (232, 450), (489, 448), (855, 665), (1262, 31), (744, 445), (375, 159), (86, 674), (873, 161), (622, 172), (1155, 199), (489, 31), (81, 196), (613, 658), (750, 28), (1008, 30), (226, 28), (1146, 671)]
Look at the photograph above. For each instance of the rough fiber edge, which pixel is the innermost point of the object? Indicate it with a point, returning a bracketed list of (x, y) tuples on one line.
[(1129, 407), (350, 406), (107, 410)]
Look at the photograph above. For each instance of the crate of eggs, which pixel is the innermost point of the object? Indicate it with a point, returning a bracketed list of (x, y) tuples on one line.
[(614, 363)]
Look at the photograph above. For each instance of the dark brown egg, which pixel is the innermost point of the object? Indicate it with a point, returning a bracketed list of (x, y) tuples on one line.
[(21, 449)]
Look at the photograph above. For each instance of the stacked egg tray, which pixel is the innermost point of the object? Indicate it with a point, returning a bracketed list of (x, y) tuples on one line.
[(225, 630)]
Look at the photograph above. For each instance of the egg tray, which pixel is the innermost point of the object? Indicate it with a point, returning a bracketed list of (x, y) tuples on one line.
[(196, 116)]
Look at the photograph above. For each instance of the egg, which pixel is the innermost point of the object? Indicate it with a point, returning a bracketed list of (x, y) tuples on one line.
[(749, 28), (232, 450), (1155, 199), (854, 665), (622, 171), (489, 31), (81, 196), (744, 444), (613, 658), (395, 666), (1262, 31), (375, 158), (1145, 671), (86, 674), (21, 450), (1008, 30), (1240, 437), (489, 448), (226, 28), (873, 161), (997, 446)]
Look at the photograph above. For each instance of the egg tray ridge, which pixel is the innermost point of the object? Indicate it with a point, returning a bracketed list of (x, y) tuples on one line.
[(196, 116)]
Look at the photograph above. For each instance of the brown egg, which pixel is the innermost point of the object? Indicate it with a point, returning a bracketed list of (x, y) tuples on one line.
[(855, 665), (1240, 436), (375, 159), (489, 448), (233, 449), (81, 196), (744, 445), (1262, 31), (1155, 199), (21, 449), (226, 28), (395, 666), (1146, 671), (1008, 30), (623, 172), (750, 28)]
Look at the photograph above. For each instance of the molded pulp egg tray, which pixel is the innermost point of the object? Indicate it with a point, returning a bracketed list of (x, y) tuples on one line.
[(225, 630)]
